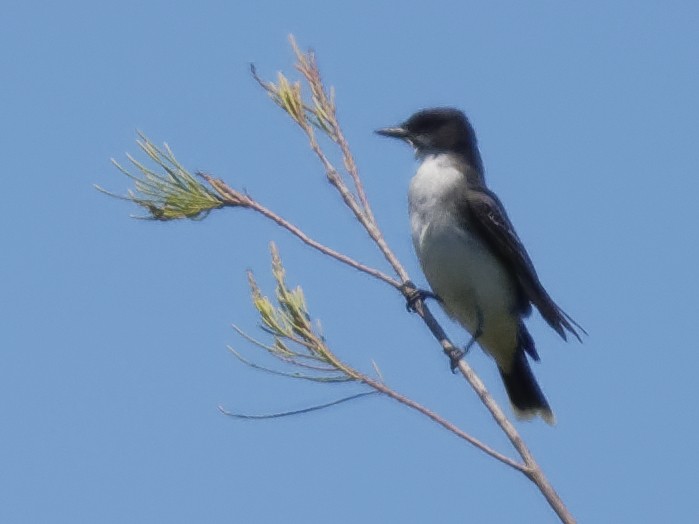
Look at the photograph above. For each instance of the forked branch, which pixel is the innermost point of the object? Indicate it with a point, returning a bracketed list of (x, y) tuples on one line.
[(171, 192)]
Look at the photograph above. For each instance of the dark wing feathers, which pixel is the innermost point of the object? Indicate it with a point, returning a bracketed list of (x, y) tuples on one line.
[(491, 220)]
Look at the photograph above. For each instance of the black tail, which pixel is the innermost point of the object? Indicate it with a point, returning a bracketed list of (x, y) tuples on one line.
[(525, 394)]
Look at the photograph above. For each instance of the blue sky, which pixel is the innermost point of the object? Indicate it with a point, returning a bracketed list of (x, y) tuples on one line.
[(114, 330)]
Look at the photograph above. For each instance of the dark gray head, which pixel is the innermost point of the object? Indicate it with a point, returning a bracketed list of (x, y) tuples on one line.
[(441, 129)]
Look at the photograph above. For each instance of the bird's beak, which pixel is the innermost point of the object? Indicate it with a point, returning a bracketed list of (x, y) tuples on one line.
[(394, 132)]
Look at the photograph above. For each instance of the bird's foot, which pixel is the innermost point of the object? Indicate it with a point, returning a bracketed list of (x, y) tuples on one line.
[(455, 355), (413, 295)]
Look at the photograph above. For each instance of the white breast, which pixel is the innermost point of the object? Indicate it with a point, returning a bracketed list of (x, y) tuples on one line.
[(456, 263)]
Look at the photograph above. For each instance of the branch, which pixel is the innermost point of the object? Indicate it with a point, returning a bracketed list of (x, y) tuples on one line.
[(446, 424), (233, 198), (296, 339), (323, 109)]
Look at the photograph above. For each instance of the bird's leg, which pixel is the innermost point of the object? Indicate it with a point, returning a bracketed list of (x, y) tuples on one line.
[(476, 334), (457, 355), (412, 295)]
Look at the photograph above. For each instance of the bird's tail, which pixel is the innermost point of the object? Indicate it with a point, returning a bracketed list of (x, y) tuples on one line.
[(525, 394)]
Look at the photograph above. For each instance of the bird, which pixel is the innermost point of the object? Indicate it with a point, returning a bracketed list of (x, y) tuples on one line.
[(471, 255)]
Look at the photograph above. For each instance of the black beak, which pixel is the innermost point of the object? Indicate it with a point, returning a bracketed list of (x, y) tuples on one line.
[(393, 132)]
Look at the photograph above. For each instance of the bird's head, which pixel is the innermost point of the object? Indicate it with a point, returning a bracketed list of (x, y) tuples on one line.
[(436, 129)]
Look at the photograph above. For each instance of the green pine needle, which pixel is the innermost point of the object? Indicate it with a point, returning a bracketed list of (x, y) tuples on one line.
[(169, 191)]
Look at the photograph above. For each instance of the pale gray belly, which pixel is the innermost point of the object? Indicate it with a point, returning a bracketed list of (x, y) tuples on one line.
[(472, 283)]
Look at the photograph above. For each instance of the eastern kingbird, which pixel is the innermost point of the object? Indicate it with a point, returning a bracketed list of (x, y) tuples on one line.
[(471, 255)]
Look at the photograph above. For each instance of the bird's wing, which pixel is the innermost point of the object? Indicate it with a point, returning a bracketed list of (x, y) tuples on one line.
[(490, 219)]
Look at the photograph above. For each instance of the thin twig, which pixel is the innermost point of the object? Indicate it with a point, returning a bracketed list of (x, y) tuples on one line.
[(444, 423), (297, 412), (369, 225), (233, 198), (339, 379), (309, 68)]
